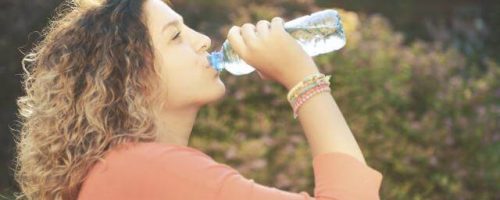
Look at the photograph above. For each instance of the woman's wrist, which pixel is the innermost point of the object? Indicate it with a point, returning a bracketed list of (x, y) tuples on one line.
[(290, 81)]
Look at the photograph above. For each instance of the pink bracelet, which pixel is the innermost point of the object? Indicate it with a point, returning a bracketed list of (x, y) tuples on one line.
[(303, 97), (307, 91), (307, 95)]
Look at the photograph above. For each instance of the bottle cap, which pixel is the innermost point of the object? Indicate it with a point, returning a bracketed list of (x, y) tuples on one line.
[(215, 59)]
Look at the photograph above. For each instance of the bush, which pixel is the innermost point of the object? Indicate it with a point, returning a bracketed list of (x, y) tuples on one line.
[(422, 117)]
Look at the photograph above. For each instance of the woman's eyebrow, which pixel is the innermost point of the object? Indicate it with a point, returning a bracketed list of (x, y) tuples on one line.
[(172, 23)]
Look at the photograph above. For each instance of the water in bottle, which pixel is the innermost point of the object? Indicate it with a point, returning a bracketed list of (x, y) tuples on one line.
[(318, 33)]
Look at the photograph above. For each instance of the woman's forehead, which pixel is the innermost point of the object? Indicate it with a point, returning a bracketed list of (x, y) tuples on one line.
[(158, 12)]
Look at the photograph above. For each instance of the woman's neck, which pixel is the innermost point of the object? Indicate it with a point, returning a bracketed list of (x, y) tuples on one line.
[(175, 125)]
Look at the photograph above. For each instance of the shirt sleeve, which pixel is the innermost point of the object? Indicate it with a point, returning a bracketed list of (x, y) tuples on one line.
[(338, 176), (186, 173)]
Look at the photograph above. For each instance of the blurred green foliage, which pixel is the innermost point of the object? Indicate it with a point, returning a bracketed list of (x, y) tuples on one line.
[(423, 116)]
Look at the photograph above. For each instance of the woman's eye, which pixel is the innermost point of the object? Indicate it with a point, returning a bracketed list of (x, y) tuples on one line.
[(176, 36)]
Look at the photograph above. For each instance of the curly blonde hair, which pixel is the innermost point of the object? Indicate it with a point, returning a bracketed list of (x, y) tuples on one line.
[(89, 86)]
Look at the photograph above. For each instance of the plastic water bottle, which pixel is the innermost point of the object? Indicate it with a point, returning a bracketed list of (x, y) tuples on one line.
[(318, 33)]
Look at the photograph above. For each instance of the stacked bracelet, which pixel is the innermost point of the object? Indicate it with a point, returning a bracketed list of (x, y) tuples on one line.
[(307, 90), (302, 99), (307, 80), (308, 87)]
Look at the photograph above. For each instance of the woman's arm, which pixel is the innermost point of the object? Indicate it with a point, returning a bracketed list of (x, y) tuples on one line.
[(340, 171), (323, 123), (277, 56)]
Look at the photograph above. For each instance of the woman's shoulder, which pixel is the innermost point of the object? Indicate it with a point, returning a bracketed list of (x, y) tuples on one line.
[(152, 154), (152, 167), (145, 170), (145, 150), (138, 159)]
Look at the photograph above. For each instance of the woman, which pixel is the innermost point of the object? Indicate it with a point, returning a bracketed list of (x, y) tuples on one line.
[(112, 93)]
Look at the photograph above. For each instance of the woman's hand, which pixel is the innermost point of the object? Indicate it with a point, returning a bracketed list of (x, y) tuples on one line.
[(272, 51)]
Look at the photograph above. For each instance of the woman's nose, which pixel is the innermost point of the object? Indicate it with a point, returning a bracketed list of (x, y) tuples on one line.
[(204, 43)]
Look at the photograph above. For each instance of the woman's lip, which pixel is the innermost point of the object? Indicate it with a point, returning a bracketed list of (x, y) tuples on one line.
[(211, 68)]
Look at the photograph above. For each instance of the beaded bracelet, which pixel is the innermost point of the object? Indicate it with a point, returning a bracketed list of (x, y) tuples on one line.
[(307, 79), (310, 93), (306, 89), (307, 86)]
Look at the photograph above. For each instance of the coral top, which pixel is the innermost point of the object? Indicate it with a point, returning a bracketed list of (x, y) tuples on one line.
[(154, 171)]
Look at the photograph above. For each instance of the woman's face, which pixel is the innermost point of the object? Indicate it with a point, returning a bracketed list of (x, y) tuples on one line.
[(181, 58)]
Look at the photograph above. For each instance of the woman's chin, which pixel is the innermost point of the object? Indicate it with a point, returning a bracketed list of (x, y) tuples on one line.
[(222, 89), (218, 93)]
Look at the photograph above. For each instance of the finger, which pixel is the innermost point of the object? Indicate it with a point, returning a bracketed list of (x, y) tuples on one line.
[(263, 27), (277, 24), (248, 33), (235, 40)]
